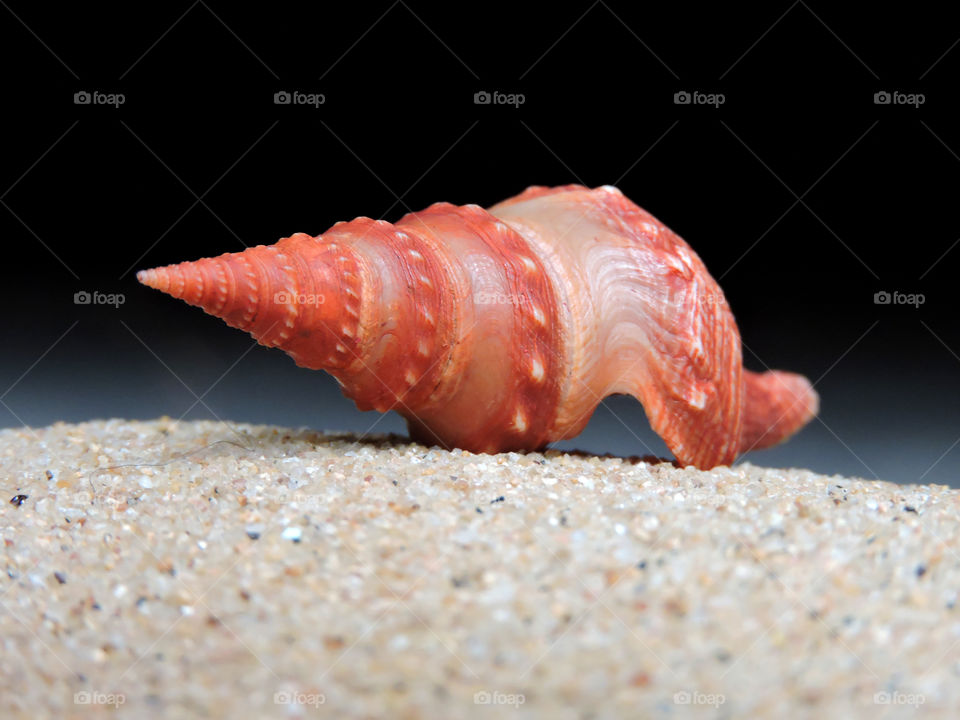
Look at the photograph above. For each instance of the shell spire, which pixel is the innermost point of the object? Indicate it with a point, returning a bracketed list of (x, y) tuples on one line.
[(502, 329), (304, 309)]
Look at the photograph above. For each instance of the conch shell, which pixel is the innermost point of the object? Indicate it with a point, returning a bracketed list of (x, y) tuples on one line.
[(503, 329)]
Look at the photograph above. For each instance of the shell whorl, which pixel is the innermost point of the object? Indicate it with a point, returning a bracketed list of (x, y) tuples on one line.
[(503, 390), (502, 329)]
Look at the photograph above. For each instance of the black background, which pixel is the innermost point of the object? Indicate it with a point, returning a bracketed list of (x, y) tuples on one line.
[(199, 160)]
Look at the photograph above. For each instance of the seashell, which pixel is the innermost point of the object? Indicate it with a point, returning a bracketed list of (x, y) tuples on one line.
[(503, 329)]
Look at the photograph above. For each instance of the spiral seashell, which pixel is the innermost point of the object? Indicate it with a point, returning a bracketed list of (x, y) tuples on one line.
[(503, 329)]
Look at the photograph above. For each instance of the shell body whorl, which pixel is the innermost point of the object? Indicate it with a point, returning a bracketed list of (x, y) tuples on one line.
[(503, 329)]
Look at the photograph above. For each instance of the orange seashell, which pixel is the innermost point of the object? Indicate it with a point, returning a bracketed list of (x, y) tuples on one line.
[(502, 329)]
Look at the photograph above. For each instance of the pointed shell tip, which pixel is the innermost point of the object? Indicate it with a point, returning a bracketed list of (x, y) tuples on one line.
[(147, 277)]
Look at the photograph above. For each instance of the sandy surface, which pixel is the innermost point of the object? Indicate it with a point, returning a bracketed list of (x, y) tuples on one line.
[(187, 570)]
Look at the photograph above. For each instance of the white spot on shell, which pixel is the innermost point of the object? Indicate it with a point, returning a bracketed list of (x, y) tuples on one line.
[(536, 369), (427, 316), (696, 398), (680, 261), (528, 263), (520, 421), (611, 189), (500, 226), (346, 330), (650, 228), (410, 377), (539, 316), (426, 281), (415, 254), (422, 348), (341, 348)]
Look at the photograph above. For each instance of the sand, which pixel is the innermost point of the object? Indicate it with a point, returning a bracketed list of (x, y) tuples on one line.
[(188, 569)]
